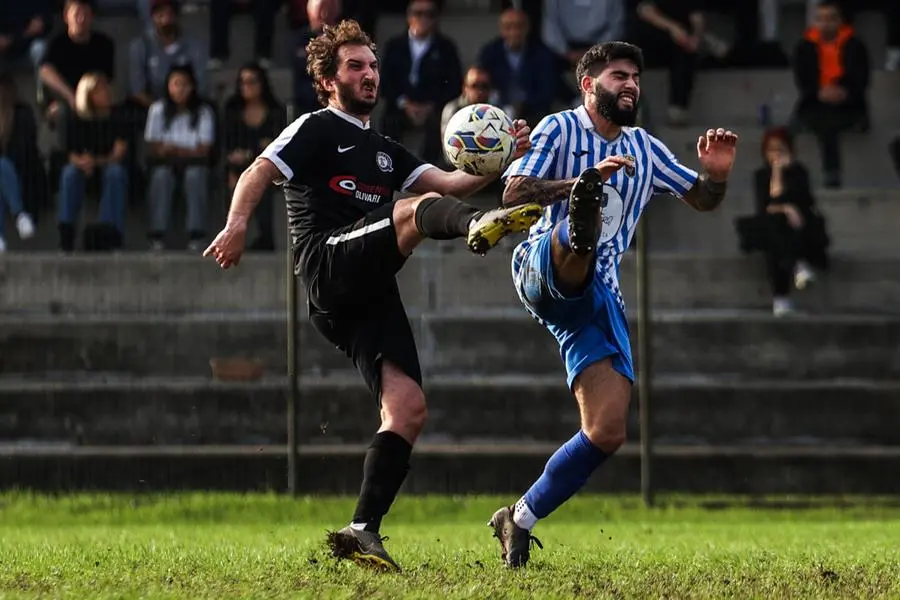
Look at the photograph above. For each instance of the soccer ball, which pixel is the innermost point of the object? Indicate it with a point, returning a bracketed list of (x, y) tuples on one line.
[(479, 140)]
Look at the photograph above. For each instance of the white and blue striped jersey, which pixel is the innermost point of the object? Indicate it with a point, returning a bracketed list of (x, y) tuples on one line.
[(564, 144)]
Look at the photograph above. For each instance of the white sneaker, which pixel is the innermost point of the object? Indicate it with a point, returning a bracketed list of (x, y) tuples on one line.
[(782, 306), (803, 276), (157, 245), (2, 245), (25, 225), (892, 60)]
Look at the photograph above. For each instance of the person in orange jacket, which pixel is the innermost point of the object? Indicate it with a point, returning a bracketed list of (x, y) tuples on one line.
[(832, 71)]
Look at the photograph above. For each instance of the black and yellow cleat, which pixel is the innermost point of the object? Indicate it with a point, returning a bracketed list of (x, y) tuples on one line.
[(489, 227), (515, 542), (585, 212), (361, 547)]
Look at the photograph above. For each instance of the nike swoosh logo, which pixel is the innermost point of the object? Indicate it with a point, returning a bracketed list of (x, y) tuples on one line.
[(342, 150), (577, 154)]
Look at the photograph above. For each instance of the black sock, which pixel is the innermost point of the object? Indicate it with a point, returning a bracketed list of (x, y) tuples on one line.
[(384, 469), (444, 218)]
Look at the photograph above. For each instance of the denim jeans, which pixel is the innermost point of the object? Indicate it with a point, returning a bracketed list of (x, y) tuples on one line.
[(114, 185), (162, 191), (10, 191)]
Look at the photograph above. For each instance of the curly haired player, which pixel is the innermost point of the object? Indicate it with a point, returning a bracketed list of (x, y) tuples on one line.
[(350, 239)]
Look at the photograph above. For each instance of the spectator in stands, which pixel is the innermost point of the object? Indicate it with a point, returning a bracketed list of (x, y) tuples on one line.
[(421, 72), (220, 13), (476, 89), (253, 118), (96, 146), (24, 27), (180, 134), (17, 135), (572, 26), (521, 69), (71, 54), (787, 227), (671, 34), (153, 55), (317, 13), (890, 10), (832, 71)]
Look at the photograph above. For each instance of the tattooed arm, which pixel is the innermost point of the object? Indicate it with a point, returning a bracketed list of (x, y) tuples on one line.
[(521, 189), (706, 194)]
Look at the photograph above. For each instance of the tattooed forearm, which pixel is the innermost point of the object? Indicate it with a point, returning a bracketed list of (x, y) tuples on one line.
[(706, 194), (520, 190)]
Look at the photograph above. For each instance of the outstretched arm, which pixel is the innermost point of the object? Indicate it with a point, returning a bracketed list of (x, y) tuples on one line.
[(522, 190), (707, 194)]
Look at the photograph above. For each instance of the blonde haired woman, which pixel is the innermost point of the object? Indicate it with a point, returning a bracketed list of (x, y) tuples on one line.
[(96, 144)]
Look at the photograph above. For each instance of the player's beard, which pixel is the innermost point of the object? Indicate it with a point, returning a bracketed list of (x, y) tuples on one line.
[(352, 104), (607, 106)]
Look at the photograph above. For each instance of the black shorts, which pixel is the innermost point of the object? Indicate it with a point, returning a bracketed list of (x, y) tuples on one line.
[(354, 301)]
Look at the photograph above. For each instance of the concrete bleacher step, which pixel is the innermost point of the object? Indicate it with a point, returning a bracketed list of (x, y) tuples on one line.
[(734, 97), (861, 223), (439, 277), (450, 469), (339, 409), (748, 344), (866, 163)]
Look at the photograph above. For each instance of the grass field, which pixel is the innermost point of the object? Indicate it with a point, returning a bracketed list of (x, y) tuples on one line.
[(261, 546)]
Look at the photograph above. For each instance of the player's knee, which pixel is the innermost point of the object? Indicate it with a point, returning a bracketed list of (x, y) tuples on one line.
[(608, 437)]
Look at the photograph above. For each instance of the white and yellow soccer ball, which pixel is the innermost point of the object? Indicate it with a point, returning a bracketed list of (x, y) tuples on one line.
[(479, 140)]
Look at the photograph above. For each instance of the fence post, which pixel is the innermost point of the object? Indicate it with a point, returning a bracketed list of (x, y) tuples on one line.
[(293, 356), (646, 364)]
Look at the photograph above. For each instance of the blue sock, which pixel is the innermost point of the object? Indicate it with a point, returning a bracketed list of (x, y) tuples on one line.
[(562, 234), (566, 472)]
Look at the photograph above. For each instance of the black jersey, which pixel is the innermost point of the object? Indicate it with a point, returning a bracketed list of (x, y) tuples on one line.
[(336, 170)]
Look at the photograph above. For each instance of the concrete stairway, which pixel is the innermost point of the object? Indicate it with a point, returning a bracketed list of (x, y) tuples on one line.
[(105, 379)]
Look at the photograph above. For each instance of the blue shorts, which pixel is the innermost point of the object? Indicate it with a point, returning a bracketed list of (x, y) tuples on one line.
[(589, 327)]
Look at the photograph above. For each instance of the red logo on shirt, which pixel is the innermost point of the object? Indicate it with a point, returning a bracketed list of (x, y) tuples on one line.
[(349, 185)]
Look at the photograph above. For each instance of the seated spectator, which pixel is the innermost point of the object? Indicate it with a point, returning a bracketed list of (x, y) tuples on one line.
[(787, 227), (831, 68), (420, 73), (153, 55), (180, 133), (571, 27), (476, 89), (890, 11), (96, 147), (17, 133), (253, 118), (521, 69), (73, 53), (220, 13), (24, 27), (671, 33), (317, 14)]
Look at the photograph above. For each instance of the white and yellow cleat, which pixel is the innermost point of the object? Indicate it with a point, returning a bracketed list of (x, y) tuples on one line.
[(491, 226), (361, 547)]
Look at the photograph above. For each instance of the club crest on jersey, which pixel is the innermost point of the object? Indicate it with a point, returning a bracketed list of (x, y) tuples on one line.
[(384, 162)]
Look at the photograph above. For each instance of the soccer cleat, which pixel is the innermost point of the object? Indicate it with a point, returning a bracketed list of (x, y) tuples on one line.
[(515, 542), (361, 547), (489, 227), (585, 208)]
